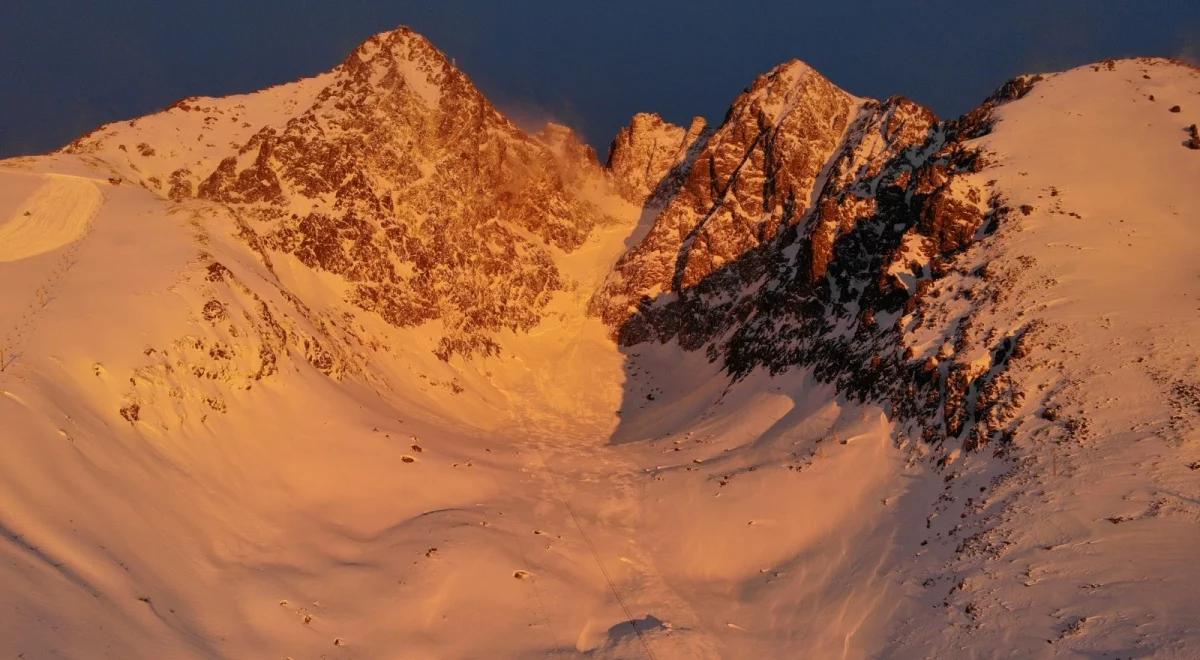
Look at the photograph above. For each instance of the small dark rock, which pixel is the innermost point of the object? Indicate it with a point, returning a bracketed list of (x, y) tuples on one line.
[(131, 412)]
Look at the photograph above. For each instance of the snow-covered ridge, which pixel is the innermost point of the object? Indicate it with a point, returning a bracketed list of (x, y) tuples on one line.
[(391, 171)]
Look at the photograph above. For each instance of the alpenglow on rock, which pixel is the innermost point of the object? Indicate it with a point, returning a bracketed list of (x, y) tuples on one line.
[(391, 171)]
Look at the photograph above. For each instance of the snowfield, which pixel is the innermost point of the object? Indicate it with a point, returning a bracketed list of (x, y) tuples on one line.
[(233, 462)]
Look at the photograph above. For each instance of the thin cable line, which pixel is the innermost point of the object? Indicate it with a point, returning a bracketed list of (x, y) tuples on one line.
[(611, 586)]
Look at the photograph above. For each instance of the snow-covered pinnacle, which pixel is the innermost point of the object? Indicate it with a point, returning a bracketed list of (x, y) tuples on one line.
[(754, 175), (402, 58), (646, 150), (391, 171), (776, 91)]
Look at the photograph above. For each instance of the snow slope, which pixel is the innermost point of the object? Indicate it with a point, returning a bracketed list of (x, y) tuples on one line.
[(1092, 530), (57, 213), (208, 452)]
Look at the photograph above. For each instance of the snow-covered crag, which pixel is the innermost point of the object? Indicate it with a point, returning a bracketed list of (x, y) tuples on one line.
[(726, 193), (391, 171), (805, 227), (351, 365)]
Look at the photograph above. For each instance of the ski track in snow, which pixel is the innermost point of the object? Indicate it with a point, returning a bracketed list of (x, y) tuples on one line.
[(58, 214)]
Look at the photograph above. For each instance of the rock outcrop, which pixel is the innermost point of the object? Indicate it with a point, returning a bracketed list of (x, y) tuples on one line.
[(646, 151), (753, 176)]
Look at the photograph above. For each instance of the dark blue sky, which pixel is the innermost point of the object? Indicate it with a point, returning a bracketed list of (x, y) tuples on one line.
[(71, 65)]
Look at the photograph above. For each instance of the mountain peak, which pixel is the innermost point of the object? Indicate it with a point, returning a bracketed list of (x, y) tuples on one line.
[(402, 43), (403, 59), (646, 150), (752, 176), (793, 70), (776, 92)]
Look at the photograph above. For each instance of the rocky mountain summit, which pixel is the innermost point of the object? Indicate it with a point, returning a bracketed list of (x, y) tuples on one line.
[(736, 187), (802, 230), (646, 151), (393, 172)]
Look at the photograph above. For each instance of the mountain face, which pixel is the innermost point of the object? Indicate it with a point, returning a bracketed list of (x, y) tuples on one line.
[(736, 187), (347, 366), (802, 232), (644, 153), (396, 174), (806, 228)]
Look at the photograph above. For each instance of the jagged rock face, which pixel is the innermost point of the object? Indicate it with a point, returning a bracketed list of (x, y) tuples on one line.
[(403, 131), (403, 179), (828, 284), (751, 177), (882, 133), (577, 162), (412, 186), (646, 151), (874, 152)]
